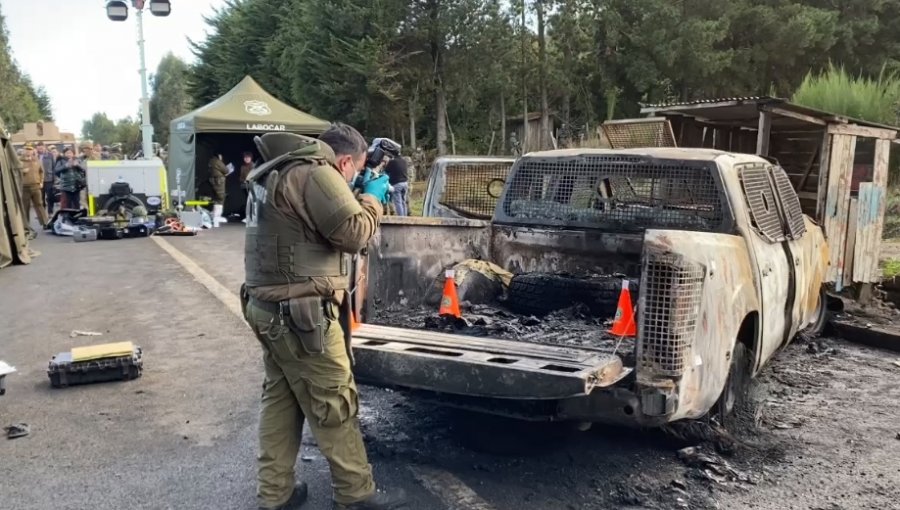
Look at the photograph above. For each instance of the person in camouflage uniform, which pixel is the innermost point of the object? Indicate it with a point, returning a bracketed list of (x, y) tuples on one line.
[(217, 173), (32, 187), (303, 221)]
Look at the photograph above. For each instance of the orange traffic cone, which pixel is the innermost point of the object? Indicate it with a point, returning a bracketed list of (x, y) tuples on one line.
[(623, 324), (449, 301)]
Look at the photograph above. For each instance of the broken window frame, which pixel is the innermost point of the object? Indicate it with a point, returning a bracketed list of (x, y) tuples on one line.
[(761, 220)]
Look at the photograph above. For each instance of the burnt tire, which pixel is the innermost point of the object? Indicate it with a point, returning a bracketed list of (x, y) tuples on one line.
[(734, 395), (541, 293), (823, 314), (128, 202)]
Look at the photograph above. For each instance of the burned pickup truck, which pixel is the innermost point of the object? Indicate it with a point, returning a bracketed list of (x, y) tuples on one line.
[(728, 271)]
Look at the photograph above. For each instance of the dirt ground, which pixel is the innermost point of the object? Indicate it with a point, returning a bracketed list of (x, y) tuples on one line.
[(824, 432)]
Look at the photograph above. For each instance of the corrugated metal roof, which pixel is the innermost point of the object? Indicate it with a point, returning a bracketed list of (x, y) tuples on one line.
[(745, 99), (722, 105)]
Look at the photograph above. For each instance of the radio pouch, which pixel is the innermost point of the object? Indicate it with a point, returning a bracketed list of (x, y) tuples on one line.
[(307, 321)]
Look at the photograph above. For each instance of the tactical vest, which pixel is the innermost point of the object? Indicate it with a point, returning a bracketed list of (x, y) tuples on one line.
[(281, 248)]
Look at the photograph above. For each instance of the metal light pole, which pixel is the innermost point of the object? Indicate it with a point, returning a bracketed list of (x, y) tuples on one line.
[(146, 126), (117, 10)]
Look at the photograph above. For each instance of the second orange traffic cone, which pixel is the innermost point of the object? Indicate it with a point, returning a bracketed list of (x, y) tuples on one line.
[(449, 301), (623, 324)]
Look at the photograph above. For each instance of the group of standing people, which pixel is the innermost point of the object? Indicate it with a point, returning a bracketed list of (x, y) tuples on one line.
[(52, 176), (400, 170), (218, 172)]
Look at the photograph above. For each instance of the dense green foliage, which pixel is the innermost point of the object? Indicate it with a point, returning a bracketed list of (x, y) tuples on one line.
[(447, 72), (101, 129), (874, 99), (170, 97), (20, 100)]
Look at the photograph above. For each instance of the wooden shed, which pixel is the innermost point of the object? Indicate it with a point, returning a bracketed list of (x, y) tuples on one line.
[(532, 142), (838, 165)]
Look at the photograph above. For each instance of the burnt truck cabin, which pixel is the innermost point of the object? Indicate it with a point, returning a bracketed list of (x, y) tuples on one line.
[(837, 165)]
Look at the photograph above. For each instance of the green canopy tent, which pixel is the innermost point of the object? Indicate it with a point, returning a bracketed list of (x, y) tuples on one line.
[(227, 126), (13, 240)]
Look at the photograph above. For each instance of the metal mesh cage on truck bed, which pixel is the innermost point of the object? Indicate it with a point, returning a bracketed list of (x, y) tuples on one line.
[(638, 133), (668, 315), (619, 192), (473, 188)]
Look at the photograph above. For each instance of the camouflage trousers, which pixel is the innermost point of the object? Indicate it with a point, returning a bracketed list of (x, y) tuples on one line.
[(218, 185), (318, 388), (33, 198)]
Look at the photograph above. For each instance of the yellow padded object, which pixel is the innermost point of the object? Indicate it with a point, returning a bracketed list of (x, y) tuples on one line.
[(113, 350)]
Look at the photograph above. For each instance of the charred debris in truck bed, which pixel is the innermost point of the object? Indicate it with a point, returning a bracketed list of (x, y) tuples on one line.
[(579, 318)]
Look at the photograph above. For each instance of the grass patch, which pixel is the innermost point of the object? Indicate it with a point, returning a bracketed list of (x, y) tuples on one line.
[(891, 268), (875, 99), (417, 198)]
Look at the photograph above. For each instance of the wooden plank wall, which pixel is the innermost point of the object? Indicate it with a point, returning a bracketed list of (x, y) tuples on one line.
[(850, 251), (837, 203), (870, 220)]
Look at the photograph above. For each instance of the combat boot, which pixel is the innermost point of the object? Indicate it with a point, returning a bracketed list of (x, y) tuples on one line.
[(381, 499), (301, 492)]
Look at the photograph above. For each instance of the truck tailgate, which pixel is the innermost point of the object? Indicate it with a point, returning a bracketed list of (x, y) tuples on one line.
[(477, 366)]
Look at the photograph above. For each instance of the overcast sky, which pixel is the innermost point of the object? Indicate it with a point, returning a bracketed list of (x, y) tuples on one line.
[(88, 63)]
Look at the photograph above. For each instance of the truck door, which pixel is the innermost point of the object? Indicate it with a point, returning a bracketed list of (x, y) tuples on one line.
[(774, 265), (803, 248)]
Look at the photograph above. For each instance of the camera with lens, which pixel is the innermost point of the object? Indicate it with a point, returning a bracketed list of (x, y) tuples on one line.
[(380, 149)]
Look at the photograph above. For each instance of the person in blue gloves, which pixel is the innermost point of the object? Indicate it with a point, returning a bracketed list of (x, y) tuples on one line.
[(303, 224)]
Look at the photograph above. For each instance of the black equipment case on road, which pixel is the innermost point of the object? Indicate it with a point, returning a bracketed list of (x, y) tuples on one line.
[(110, 233), (63, 372), (136, 231)]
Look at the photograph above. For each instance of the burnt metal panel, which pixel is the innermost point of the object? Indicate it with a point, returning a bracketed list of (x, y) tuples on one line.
[(615, 192), (576, 251), (672, 291), (760, 196), (796, 226), (408, 252), (479, 367)]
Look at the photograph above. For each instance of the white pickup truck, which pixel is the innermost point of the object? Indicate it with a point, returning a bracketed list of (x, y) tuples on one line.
[(730, 271)]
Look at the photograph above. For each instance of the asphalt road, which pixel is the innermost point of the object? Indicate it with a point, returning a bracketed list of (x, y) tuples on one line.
[(183, 435)]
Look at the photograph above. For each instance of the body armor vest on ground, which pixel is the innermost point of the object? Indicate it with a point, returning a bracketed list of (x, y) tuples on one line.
[(282, 248)]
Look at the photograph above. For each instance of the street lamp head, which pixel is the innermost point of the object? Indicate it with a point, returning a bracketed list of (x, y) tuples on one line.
[(160, 7), (116, 10)]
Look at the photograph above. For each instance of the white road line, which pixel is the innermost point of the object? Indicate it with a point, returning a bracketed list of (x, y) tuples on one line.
[(229, 298), (450, 489)]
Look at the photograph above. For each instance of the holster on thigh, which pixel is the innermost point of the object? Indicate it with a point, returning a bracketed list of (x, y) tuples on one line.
[(245, 298)]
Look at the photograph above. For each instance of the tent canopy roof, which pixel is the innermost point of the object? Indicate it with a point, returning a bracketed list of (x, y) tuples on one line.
[(248, 107)]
